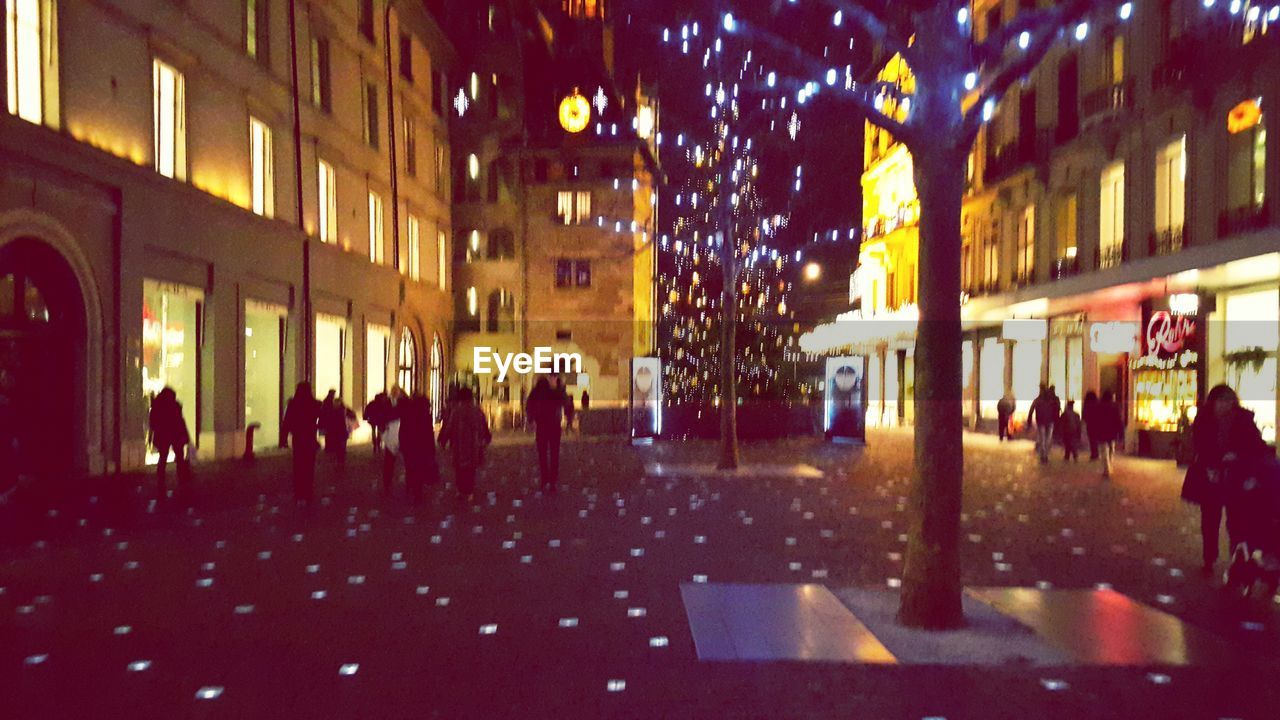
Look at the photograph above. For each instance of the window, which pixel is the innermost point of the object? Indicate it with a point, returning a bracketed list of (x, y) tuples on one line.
[(377, 348), (321, 93), (473, 246), (1111, 219), (1025, 258), (406, 57), (364, 18), (1065, 233), (437, 378), (990, 257), (502, 245), (1171, 174), (326, 181), (1115, 59), (413, 246), (407, 362), (573, 207), (442, 258), (584, 9), (472, 309), (1247, 157), (257, 23), (573, 273), (439, 169), (376, 243), (170, 120), (410, 145), (264, 182), (501, 315), (439, 93), (31, 59), (966, 263), (494, 180), (371, 114)]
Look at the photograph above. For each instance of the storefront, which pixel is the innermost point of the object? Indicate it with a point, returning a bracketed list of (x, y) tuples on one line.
[(1167, 373), (171, 323), (1250, 338), (264, 350), (1066, 357), (377, 346), (333, 359)]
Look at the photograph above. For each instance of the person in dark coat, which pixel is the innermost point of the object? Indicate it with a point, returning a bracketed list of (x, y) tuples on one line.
[(586, 401), (1089, 414), (1004, 413), (466, 435), (169, 432), (1043, 415), (333, 424), (1068, 428), (301, 419), (418, 446), (1106, 428), (568, 407), (544, 407), (375, 413), (1227, 446)]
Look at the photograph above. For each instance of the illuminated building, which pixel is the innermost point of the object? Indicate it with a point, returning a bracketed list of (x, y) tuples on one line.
[(1120, 197), (553, 199), (192, 195)]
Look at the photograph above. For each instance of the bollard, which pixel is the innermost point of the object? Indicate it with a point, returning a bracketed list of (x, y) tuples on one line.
[(248, 441)]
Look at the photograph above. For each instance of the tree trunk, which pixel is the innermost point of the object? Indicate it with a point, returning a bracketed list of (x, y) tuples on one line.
[(931, 589), (728, 359)]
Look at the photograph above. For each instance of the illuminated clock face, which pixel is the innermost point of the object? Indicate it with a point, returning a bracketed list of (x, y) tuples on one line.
[(575, 112)]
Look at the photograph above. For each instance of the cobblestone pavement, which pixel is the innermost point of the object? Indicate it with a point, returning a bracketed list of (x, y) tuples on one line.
[(569, 606)]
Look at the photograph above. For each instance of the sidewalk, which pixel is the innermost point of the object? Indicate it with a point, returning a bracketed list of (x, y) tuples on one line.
[(570, 606)]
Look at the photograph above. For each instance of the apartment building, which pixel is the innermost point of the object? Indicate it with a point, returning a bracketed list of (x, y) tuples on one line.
[(226, 198), (1120, 231), (554, 199)]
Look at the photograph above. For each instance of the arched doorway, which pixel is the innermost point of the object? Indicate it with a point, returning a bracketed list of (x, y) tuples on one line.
[(43, 410), (407, 362)]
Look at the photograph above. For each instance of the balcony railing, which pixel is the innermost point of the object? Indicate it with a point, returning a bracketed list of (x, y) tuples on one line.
[(1107, 101), (1166, 242), (1245, 219), (1007, 159), (1065, 266), (1111, 256)]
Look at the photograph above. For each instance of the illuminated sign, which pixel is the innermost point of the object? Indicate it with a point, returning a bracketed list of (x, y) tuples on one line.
[(1113, 337), (1025, 330), (1168, 334)]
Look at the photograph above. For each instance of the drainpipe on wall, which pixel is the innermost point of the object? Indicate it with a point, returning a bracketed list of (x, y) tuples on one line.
[(305, 335), (391, 144)]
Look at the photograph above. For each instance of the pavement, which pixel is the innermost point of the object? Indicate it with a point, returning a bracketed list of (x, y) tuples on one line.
[(570, 606)]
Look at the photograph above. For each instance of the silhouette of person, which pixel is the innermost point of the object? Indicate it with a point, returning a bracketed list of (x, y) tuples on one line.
[(466, 434), (418, 446), (169, 432), (544, 407), (301, 419)]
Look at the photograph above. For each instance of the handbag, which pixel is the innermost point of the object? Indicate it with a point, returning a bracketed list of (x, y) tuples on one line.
[(1198, 487)]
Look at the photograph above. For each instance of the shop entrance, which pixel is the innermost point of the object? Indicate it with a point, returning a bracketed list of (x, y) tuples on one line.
[(42, 363)]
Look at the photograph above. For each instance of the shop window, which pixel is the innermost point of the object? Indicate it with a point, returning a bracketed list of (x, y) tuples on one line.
[(1111, 217), (171, 325), (263, 171), (333, 361), (327, 203), (377, 349), (407, 362), (31, 60), (1250, 342), (990, 376), (170, 120), (1026, 372), (264, 333)]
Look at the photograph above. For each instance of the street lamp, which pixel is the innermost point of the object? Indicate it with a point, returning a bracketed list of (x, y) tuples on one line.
[(812, 271)]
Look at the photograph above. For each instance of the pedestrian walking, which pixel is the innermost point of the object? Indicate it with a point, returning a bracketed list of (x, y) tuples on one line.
[(1068, 428), (1089, 414), (1227, 445), (418, 446), (391, 436), (301, 420), (543, 408), (1107, 429), (168, 430), (1043, 415), (1004, 414), (466, 435), (334, 417), (376, 414), (586, 401), (568, 411)]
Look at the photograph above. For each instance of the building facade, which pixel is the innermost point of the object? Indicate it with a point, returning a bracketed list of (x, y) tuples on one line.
[(1120, 230), (554, 200), (224, 197)]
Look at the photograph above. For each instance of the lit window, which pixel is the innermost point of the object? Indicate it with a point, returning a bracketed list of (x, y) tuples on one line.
[(328, 202), (414, 232), (1171, 173), (170, 120), (257, 40), (375, 228), (584, 9), (1247, 157), (264, 201), (407, 365), (31, 58), (573, 207), (472, 308), (442, 258), (321, 95), (439, 170), (1111, 221), (1026, 255)]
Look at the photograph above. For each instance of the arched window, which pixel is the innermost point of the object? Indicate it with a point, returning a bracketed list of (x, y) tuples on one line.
[(407, 363), (502, 245), (501, 312), (437, 378)]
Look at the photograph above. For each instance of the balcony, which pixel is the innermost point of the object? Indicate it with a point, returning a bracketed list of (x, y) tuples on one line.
[(1166, 242), (1106, 102), (1111, 256), (1242, 220), (1007, 159)]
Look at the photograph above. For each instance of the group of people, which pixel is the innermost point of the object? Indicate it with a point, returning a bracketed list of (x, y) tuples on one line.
[(1100, 421)]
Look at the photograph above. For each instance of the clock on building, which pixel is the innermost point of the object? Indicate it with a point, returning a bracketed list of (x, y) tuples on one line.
[(575, 112)]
